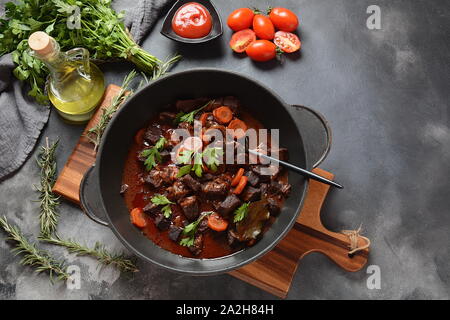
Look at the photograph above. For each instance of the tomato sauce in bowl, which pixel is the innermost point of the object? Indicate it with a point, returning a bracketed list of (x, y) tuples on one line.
[(192, 21)]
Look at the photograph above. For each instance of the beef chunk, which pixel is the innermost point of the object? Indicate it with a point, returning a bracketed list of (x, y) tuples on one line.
[(186, 126), (231, 102), (283, 154), (167, 116), (217, 188), (210, 121), (253, 178), (190, 207), (264, 188), (191, 182), (230, 203), (161, 176), (232, 238), (174, 233), (165, 156), (285, 189), (273, 205), (162, 222), (153, 133), (152, 208), (280, 188), (251, 194), (207, 177), (123, 188), (266, 173), (203, 225), (190, 105), (197, 247), (178, 191)]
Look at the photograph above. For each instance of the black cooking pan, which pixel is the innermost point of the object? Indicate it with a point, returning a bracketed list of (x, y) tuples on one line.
[(308, 142)]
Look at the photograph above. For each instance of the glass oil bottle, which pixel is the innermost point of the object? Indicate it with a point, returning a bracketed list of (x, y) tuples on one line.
[(75, 85)]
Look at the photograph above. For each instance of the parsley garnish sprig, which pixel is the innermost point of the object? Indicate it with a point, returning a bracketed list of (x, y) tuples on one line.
[(241, 212), (190, 230), (161, 200), (153, 155), (189, 117), (194, 161)]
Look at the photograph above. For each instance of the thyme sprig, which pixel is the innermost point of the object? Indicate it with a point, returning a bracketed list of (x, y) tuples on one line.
[(32, 256), (49, 202), (99, 252)]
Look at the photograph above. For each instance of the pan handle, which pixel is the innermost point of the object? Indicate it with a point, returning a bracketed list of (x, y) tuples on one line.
[(89, 200), (316, 132)]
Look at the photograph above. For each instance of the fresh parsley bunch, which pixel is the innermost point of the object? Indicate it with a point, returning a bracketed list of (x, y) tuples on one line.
[(101, 31)]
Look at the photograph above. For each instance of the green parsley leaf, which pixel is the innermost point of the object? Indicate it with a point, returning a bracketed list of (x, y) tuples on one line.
[(153, 156), (187, 242), (197, 168), (160, 200), (184, 170), (189, 117), (185, 156), (166, 210), (190, 230), (241, 212), (160, 143), (212, 157)]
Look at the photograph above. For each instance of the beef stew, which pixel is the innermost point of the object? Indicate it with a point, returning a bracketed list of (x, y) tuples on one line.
[(195, 205)]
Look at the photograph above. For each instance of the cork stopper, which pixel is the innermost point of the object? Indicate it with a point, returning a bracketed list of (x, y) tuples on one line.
[(41, 43)]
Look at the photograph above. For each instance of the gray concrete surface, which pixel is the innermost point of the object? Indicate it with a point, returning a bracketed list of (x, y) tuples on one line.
[(385, 93)]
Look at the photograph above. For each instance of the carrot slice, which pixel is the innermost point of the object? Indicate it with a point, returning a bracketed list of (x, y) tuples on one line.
[(217, 223), (241, 185), (223, 114), (237, 177), (139, 137), (239, 128), (137, 217)]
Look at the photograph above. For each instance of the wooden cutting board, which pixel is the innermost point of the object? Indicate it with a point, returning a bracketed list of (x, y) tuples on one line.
[(275, 270)]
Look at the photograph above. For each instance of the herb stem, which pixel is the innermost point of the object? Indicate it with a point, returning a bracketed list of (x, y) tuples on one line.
[(32, 256), (49, 202), (99, 252)]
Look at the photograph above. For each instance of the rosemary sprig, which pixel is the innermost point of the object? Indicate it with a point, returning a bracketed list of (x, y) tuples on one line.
[(99, 252), (164, 67), (49, 202), (95, 134), (49, 216), (32, 256)]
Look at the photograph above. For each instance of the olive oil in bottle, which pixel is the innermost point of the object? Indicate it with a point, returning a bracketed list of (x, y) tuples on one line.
[(75, 85)]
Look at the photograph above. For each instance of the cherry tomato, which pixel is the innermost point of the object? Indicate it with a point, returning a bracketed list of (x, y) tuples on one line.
[(240, 19), (283, 19), (263, 27), (262, 50), (286, 41), (241, 40)]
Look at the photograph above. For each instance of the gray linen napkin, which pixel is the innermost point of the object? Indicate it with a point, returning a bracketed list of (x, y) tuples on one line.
[(142, 18), (22, 119)]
